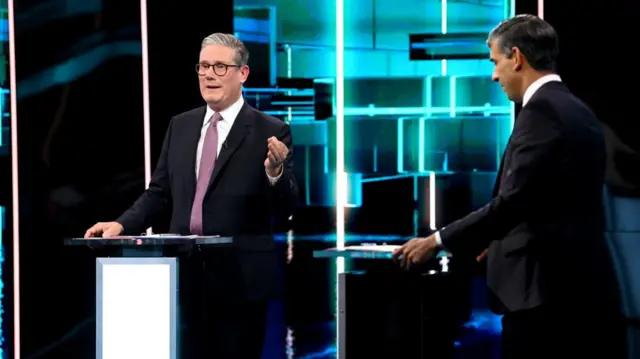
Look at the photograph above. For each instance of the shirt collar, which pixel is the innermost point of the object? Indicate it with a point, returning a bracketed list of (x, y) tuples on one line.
[(535, 86), (229, 114)]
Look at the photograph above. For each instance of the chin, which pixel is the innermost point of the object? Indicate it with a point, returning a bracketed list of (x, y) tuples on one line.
[(212, 100)]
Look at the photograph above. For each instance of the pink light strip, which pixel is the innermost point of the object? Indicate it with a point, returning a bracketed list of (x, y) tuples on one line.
[(145, 95), (14, 183), (145, 92)]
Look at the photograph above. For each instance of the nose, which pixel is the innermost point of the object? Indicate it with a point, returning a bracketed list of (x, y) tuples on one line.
[(494, 77)]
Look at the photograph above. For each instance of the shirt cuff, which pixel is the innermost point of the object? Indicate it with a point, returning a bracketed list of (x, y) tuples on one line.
[(438, 239), (274, 180)]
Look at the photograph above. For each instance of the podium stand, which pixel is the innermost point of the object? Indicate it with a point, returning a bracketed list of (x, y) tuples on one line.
[(136, 294), (387, 312)]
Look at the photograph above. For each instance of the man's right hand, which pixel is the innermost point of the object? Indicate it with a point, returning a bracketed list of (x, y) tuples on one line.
[(104, 229)]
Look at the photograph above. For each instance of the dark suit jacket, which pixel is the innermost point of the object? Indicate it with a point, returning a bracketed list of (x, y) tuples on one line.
[(544, 226), (240, 201)]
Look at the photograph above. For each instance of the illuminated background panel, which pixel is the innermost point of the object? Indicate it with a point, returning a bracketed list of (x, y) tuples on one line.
[(406, 123), (408, 117)]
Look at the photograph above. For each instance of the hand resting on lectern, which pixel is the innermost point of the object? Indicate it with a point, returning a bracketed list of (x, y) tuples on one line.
[(104, 229)]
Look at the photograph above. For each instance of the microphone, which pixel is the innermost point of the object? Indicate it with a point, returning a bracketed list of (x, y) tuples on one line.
[(224, 144)]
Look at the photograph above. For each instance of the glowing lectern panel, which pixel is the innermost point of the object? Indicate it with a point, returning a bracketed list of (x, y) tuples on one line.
[(136, 308)]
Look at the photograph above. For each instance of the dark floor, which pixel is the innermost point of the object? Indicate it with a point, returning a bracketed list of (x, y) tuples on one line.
[(317, 341), (307, 314)]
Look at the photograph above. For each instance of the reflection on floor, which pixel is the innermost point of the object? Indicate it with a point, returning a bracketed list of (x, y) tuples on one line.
[(481, 340), (306, 317)]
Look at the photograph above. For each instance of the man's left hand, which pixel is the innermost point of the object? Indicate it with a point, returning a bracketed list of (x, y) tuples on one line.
[(277, 153), (416, 251)]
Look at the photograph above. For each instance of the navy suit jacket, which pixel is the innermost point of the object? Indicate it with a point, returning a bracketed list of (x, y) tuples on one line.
[(239, 202), (545, 225)]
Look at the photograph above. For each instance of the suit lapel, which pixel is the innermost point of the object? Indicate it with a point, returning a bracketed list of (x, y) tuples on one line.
[(193, 134), (240, 129)]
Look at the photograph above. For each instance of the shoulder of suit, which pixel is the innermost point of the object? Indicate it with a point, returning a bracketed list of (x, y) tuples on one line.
[(196, 112)]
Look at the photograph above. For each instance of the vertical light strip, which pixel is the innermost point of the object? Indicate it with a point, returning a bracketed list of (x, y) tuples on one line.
[(273, 57), (432, 201), (400, 145), (421, 127), (511, 12), (14, 182), (452, 96), (421, 144), (541, 9), (340, 175), (443, 30), (340, 170), (145, 92), (287, 50), (432, 175), (146, 118), (289, 72)]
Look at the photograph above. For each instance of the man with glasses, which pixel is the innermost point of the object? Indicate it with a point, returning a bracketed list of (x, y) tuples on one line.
[(226, 169)]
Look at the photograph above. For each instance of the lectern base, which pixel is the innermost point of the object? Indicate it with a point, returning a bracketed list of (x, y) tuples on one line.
[(136, 308), (136, 293)]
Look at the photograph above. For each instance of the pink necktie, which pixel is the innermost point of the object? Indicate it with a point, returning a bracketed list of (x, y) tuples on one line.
[(207, 162)]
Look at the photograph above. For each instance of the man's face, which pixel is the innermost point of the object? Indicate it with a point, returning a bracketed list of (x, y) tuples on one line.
[(221, 78), (507, 72)]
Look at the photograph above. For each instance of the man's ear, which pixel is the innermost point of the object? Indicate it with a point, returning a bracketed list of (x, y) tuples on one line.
[(518, 59), (244, 72)]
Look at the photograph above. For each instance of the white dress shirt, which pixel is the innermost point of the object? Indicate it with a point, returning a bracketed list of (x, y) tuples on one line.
[(531, 90), (229, 116), (535, 86)]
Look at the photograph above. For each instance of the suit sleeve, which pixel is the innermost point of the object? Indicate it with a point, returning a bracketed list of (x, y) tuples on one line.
[(284, 193), (154, 199), (535, 146)]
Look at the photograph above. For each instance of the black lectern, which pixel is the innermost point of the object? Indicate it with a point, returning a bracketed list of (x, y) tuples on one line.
[(136, 293), (386, 312)]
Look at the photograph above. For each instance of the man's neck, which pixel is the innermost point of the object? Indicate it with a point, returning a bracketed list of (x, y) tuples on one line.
[(532, 77), (223, 106)]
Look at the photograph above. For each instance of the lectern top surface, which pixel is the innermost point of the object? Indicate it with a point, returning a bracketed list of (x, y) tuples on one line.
[(148, 240), (365, 251)]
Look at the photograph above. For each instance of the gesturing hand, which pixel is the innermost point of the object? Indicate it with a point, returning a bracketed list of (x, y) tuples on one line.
[(277, 153)]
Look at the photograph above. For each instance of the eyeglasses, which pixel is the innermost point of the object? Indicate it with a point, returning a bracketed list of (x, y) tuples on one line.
[(219, 68)]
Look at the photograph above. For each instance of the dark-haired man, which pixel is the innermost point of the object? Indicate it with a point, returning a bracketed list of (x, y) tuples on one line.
[(548, 270)]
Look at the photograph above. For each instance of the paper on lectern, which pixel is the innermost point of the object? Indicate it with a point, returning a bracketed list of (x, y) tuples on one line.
[(385, 248)]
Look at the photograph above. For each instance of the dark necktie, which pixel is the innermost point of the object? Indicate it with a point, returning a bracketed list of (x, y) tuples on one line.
[(207, 163)]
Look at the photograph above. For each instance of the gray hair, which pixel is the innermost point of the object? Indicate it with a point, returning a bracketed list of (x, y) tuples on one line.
[(536, 39), (241, 56)]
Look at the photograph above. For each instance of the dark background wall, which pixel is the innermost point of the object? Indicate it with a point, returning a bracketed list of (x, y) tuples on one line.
[(595, 37), (80, 136)]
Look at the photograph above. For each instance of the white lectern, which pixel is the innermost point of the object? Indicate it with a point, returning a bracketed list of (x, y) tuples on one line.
[(136, 295)]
